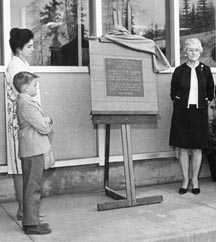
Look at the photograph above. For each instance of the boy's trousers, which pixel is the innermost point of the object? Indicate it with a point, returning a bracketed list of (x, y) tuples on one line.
[(32, 168)]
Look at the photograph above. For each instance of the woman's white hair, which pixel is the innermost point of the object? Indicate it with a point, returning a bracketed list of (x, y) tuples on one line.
[(192, 42)]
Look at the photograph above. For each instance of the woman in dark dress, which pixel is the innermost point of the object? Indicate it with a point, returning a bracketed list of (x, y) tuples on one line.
[(192, 87)]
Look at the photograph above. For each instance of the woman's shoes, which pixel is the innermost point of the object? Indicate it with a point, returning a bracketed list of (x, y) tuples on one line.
[(19, 217), (182, 190), (195, 191), (195, 188), (19, 214)]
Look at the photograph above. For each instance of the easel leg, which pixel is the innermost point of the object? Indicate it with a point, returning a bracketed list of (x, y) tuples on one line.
[(128, 164), (130, 200), (107, 151), (109, 191)]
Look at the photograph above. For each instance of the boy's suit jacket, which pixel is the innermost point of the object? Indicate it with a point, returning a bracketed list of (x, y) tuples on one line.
[(33, 129)]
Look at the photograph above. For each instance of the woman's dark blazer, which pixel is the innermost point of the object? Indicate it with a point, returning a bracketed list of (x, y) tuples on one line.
[(180, 86)]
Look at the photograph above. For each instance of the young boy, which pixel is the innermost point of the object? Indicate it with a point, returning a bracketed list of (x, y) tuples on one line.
[(33, 141)]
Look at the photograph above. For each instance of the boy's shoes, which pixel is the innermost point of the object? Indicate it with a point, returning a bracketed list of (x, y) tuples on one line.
[(44, 225), (39, 229)]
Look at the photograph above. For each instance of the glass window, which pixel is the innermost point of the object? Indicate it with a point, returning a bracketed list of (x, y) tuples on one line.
[(141, 17), (60, 27), (197, 19)]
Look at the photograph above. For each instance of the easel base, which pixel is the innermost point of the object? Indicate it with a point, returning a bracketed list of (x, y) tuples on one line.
[(125, 203)]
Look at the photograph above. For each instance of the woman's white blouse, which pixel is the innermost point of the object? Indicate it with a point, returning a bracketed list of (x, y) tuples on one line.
[(15, 66), (193, 94)]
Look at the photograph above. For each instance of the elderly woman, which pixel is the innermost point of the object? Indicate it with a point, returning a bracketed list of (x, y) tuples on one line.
[(192, 87)]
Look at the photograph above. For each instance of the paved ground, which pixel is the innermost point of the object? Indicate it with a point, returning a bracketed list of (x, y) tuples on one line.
[(74, 218)]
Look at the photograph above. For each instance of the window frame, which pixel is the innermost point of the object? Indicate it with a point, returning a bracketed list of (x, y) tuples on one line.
[(6, 29), (95, 30), (96, 25)]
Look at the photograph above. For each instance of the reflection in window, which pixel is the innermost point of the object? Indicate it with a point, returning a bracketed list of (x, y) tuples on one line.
[(60, 28), (141, 17), (197, 19)]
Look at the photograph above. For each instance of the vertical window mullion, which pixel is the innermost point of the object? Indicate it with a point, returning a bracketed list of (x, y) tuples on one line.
[(6, 30), (79, 26), (169, 32), (98, 10), (176, 30), (1, 34), (92, 18), (95, 18), (172, 32)]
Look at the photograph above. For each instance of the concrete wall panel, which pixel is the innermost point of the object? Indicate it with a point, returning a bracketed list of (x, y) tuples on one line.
[(66, 98)]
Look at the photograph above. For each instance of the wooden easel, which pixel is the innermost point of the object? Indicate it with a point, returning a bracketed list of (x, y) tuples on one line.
[(130, 200), (122, 96)]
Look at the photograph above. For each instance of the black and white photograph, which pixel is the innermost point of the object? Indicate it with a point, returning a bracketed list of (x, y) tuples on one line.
[(107, 121)]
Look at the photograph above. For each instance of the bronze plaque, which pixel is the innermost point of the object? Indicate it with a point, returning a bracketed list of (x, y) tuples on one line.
[(124, 77)]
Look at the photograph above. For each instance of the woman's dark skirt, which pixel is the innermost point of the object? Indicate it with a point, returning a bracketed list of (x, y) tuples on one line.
[(189, 128)]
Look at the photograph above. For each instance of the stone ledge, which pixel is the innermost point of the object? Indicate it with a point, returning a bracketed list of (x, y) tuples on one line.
[(89, 178)]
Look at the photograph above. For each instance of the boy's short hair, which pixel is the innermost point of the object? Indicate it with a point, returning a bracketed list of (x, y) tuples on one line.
[(23, 78)]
